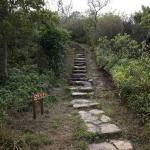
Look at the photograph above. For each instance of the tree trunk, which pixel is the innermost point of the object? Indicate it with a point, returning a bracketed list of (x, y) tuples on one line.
[(5, 46)]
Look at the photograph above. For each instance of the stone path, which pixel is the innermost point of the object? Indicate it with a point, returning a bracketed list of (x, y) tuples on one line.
[(94, 118)]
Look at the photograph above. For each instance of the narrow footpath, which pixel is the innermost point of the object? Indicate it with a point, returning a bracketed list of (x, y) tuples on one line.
[(86, 88)]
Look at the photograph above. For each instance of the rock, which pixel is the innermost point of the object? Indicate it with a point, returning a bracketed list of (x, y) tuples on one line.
[(79, 59), (78, 106), (122, 145), (85, 105), (79, 67), (102, 146), (78, 79), (105, 118), (80, 101), (87, 117), (92, 128), (81, 83), (85, 89), (79, 71), (109, 128), (80, 75), (96, 112), (79, 63)]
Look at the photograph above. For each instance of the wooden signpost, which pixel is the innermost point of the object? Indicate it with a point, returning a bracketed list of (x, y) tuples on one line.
[(37, 97)]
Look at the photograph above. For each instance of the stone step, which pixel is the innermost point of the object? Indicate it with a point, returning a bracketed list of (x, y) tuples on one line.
[(81, 89), (112, 145), (82, 94), (79, 67), (78, 79), (79, 75), (83, 103), (79, 59), (79, 71), (81, 83), (97, 122), (80, 64), (80, 55)]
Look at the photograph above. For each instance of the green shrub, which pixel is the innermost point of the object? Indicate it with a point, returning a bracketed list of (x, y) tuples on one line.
[(17, 89), (130, 71), (53, 42)]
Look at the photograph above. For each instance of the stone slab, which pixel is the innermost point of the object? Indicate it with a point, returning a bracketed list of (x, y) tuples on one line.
[(80, 101), (82, 59), (78, 79), (87, 117), (96, 112), (78, 106), (122, 145), (79, 71), (85, 89), (105, 118), (85, 105), (80, 64), (102, 146), (92, 128), (79, 67), (109, 128), (79, 93), (79, 61), (97, 122), (79, 75), (81, 83)]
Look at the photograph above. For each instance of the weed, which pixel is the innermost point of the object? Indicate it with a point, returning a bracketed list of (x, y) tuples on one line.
[(57, 84), (56, 122), (109, 112), (109, 95), (53, 98), (70, 105), (35, 143), (46, 140)]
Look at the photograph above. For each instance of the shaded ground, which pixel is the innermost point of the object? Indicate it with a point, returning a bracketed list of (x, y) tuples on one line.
[(55, 129)]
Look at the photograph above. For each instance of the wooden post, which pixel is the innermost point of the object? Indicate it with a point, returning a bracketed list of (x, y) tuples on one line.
[(35, 97)]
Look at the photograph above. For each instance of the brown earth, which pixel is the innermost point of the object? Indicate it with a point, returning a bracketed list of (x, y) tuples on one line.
[(58, 122)]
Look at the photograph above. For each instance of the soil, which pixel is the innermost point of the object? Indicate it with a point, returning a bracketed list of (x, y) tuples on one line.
[(58, 121)]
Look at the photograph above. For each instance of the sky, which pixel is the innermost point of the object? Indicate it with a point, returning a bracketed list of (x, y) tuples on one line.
[(126, 6)]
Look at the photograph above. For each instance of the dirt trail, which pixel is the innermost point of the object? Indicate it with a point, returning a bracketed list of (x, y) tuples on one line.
[(58, 122)]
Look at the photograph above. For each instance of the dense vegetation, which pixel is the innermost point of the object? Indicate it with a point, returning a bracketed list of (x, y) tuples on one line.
[(129, 67)]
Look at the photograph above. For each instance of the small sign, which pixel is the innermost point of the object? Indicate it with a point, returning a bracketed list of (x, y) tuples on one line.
[(38, 96), (35, 97)]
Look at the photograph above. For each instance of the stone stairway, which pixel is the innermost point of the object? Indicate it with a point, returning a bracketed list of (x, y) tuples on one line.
[(94, 118)]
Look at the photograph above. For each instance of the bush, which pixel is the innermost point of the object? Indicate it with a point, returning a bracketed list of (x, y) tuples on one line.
[(53, 42), (130, 71), (17, 89)]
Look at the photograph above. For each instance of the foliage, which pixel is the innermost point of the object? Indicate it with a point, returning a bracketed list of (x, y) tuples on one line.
[(75, 25), (133, 79), (110, 51), (130, 71), (17, 89), (53, 42), (109, 25)]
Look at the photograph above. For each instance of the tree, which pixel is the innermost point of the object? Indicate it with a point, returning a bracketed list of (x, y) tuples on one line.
[(142, 20), (109, 25), (10, 19), (95, 6), (75, 25), (64, 11)]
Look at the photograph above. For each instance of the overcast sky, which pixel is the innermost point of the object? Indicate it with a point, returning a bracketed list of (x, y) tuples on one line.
[(127, 6)]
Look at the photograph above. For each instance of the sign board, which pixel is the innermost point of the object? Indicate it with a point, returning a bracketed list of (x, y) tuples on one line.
[(35, 97), (38, 96)]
